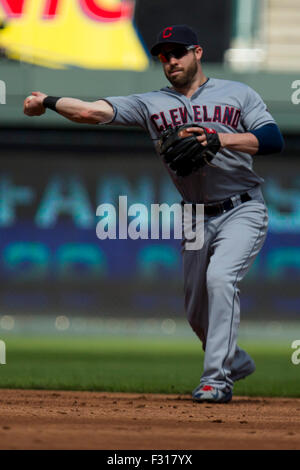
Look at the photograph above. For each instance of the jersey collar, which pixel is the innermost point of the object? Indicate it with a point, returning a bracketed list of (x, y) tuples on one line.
[(197, 92)]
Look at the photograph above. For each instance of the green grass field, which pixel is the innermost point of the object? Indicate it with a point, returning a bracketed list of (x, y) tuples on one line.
[(160, 365)]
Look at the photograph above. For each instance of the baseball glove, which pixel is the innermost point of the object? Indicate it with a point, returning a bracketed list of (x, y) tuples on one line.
[(183, 152)]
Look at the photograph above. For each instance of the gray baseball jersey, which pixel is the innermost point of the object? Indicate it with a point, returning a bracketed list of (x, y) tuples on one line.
[(224, 105)]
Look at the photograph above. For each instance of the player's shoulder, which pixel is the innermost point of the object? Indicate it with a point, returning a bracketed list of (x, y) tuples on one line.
[(241, 93), (150, 99), (230, 84), (153, 93)]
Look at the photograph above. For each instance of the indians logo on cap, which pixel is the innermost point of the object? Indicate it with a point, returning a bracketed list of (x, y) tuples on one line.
[(167, 32), (83, 33)]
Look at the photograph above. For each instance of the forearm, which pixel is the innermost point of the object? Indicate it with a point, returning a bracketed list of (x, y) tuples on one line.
[(246, 142), (71, 108), (84, 112), (264, 140)]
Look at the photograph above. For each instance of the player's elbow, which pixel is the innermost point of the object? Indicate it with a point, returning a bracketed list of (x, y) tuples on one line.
[(86, 116), (269, 138), (280, 145), (95, 115), (275, 142)]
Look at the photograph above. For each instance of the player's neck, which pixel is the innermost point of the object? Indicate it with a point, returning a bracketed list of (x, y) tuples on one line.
[(193, 86)]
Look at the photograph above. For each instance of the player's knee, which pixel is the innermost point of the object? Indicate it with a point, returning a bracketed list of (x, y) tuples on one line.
[(218, 280)]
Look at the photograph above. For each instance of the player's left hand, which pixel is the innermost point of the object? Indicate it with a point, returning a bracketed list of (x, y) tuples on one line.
[(197, 130), (183, 150), (33, 104)]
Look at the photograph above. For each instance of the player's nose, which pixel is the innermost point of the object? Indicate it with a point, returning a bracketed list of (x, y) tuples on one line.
[(172, 61)]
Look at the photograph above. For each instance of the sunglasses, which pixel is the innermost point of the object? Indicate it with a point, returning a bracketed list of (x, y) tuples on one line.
[(177, 53)]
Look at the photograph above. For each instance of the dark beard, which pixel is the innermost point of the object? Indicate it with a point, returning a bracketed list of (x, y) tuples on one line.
[(185, 78)]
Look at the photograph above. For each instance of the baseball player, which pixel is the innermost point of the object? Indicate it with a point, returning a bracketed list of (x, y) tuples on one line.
[(230, 119)]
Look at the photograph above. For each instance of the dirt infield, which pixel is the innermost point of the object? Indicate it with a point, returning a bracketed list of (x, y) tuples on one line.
[(89, 420)]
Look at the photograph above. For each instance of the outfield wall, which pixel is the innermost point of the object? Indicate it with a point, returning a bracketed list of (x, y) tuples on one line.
[(52, 261), (280, 91)]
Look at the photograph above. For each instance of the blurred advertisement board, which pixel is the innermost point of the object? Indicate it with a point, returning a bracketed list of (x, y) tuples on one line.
[(52, 261), (95, 34)]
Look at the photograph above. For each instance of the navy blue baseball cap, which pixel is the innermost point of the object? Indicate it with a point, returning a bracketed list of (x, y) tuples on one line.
[(177, 34)]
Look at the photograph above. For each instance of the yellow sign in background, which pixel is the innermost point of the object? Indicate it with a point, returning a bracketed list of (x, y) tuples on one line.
[(73, 36)]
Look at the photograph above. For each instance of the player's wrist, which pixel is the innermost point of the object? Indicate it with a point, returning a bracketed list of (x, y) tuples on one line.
[(50, 102), (224, 139)]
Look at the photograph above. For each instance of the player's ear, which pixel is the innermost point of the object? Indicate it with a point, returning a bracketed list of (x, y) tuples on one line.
[(198, 52)]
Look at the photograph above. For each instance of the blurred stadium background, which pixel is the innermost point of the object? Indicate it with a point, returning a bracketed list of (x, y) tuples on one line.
[(55, 275)]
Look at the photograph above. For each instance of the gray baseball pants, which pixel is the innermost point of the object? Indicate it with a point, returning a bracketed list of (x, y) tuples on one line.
[(211, 275)]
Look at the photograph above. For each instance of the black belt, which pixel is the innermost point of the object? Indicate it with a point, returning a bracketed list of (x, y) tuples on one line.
[(225, 206)]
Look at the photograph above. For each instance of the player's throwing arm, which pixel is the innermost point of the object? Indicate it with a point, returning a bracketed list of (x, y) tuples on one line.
[(71, 108)]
